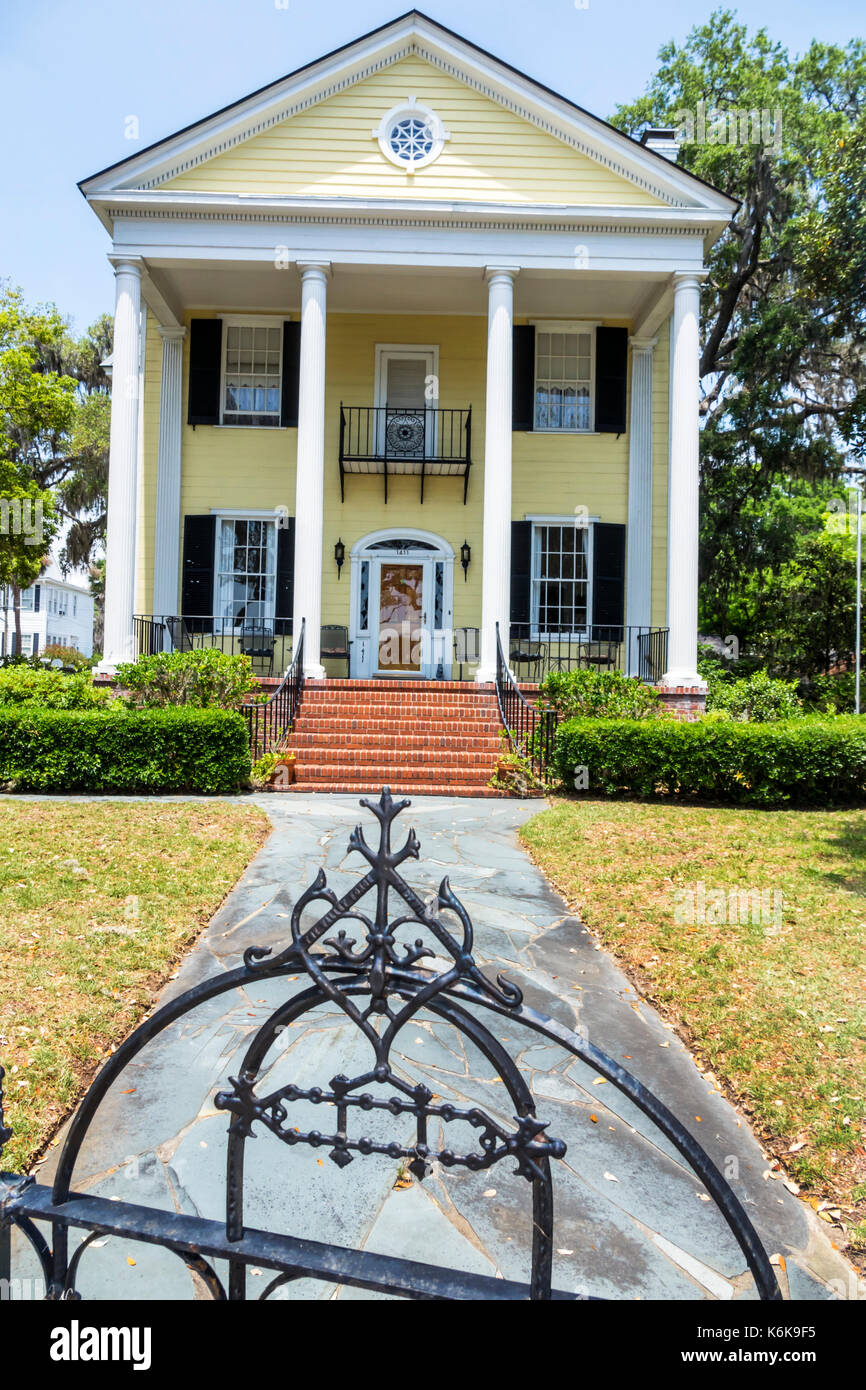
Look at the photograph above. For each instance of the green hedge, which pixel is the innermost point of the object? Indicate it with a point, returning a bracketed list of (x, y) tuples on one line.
[(805, 761), (172, 750)]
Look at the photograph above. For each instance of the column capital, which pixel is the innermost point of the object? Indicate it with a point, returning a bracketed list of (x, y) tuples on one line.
[(492, 273), (127, 265), (688, 279), (314, 269), (642, 344), (171, 333)]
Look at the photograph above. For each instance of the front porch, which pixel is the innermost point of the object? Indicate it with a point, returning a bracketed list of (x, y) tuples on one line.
[(636, 651)]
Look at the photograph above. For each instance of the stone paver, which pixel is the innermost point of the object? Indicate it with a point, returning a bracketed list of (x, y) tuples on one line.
[(632, 1221)]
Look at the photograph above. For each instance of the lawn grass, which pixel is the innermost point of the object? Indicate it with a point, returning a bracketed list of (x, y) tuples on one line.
[(97, 902), (776, 1008)]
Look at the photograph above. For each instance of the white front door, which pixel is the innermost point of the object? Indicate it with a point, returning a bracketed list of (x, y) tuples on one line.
[(406, 397), (401, 602)]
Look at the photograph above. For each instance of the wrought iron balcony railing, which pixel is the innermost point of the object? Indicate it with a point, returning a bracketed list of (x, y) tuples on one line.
[(386, 441)]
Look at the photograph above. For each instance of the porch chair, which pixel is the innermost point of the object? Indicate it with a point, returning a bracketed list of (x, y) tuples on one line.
[(527, 654), (467, 647), (335, 644), (257, 642)]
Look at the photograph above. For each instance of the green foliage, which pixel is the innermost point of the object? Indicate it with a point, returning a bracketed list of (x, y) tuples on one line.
[(599, 695), (783, 311), (263, 769), (70, 656), (25, 684), (757, 697), (207, 679), (833, 694), (801, 762), (157, 750)]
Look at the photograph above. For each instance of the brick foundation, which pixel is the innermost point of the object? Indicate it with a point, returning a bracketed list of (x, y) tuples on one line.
[(687, 702)]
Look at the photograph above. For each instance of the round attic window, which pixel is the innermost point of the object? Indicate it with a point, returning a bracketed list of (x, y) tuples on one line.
[(411, 136)]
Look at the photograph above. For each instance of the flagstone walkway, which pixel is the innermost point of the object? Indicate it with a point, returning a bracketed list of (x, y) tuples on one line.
[(632, 1221)]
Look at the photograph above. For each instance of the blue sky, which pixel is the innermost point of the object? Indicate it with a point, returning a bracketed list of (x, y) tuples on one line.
[(72, 71)]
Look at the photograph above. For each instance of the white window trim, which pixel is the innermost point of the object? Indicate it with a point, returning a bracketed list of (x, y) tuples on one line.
[(411, 107), (566, 326), (251, 515), (248, 321), (583, 635)]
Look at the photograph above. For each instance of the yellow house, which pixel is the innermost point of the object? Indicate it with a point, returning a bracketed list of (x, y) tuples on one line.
[(406, 351)]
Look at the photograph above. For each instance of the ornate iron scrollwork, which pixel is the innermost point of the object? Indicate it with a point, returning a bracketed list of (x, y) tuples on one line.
[(379, 957), (405, 432)]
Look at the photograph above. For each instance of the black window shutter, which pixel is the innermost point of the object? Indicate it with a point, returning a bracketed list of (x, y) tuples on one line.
[(523, 377), (37, 594), (608, 582), (611, 367), (197, 584), (521, 571), (285, 576), (35, 650), (205, 371), (291, 374)]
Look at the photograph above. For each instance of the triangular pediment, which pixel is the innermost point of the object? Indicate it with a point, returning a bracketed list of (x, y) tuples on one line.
[(507, 140)]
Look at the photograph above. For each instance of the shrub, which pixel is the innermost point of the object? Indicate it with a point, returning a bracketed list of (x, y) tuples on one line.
[(805, 761), (207, 679), (70, 656), (832, 694), (599, 695), (757, 697), (22, 684), (172, 750)]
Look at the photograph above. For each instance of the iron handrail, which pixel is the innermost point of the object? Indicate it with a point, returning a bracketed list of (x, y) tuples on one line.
[(269, 722), (530, 729)]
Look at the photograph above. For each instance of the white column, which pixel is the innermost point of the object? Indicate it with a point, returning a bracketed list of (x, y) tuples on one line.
[(166, 558), (122, 468), (640, 494), (310, 492), (496, 556), (683, 487)]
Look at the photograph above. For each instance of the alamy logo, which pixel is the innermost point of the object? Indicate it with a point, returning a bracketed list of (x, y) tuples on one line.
[(21, 516), (77, 1343), (703, 906)]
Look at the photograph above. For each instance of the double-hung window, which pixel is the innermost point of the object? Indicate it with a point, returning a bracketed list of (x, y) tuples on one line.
[(560, 579), (246, 566), (252, 371), (564, 377)]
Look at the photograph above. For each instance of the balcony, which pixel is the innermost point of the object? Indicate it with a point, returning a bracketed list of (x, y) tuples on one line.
[(390, 442)]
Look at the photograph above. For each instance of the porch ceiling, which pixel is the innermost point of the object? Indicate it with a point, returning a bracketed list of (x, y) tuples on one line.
[(231, 286)]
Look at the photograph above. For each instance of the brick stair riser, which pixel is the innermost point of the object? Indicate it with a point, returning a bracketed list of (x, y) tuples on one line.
[(386, 773), (434, 714), (448, 741), (383, 757), (353, 729), (369, 789)]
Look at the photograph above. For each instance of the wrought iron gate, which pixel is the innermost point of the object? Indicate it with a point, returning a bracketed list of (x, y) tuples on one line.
[(380, 983)]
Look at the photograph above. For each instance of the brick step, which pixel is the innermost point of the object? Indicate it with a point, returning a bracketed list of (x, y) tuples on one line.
[(362, 788), (458, 728), (380, 757), (397, 711), (398, 683), (384, 774), (387, 739), (359, 701)]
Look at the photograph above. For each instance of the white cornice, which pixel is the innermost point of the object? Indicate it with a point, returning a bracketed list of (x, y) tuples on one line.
[(187, 207)]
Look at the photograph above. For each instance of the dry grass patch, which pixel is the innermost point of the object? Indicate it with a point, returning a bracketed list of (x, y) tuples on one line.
[(97, 902), (776, 1006)]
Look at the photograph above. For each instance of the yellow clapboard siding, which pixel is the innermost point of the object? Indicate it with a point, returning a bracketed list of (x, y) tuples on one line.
[(239, 469), (493, 154)]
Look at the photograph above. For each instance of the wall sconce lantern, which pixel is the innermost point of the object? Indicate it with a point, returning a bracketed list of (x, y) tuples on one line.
[(465, 557), (339, 556)]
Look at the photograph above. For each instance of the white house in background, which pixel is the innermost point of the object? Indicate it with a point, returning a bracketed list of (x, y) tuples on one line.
[(54, 611)]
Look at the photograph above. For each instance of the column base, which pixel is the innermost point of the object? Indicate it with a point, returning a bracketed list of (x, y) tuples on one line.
[(485, 677), (683, 680), (314, 673)]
